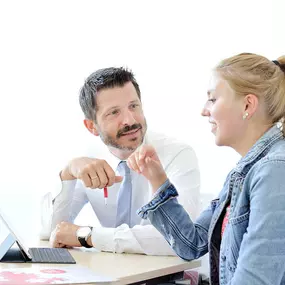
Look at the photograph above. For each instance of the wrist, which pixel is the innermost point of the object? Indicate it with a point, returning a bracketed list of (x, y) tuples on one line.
[(83, 235), (89, 241), (158, 182), (65, 174)]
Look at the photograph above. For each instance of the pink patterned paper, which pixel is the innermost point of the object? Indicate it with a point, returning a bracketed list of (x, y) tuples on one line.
[(23, 276)]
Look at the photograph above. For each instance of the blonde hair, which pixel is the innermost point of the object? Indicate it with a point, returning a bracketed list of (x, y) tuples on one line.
[(249, 73)]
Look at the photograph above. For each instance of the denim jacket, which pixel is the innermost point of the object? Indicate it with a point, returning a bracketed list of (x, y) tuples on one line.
[(252, 250)]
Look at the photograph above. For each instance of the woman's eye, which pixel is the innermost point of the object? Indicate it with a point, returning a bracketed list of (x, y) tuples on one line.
[(212, 100)]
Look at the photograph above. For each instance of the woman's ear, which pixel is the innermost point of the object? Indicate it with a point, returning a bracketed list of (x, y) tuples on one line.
[(251, 103), (91, 127)]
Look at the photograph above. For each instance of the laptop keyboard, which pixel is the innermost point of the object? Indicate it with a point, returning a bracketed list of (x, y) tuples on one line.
[(51, 255)]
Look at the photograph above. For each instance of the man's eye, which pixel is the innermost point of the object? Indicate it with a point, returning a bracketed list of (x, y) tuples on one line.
[(212, 100), (113, 113), (133, 106)]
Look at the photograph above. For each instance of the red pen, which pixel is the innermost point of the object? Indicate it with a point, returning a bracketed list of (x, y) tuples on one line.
[(105, 194)]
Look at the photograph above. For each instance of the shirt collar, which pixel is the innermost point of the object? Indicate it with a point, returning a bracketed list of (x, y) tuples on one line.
[(260, 148)]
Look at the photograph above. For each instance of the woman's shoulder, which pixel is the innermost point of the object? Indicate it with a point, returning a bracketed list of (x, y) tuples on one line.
[(276, 152), (270, 168)]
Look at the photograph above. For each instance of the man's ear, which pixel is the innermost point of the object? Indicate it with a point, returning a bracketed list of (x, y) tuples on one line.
[(91, 127), (251, 103)]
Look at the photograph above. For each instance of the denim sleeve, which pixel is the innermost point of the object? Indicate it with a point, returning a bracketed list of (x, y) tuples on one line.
[(262, 253), (189, 240)]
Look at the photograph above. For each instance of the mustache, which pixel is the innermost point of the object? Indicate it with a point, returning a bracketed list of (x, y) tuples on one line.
[(128, 129)]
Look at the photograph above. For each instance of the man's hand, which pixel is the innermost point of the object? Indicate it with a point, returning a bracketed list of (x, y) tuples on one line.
[(64, 235), (95, 173), (146, 162)]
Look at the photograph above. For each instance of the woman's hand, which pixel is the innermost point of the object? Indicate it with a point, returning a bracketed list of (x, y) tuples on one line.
[(146, 162)]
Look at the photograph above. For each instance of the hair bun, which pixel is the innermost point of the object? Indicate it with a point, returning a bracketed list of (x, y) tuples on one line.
[(280, 62)]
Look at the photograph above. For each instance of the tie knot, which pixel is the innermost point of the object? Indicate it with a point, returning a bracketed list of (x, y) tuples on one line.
[(123, 168)]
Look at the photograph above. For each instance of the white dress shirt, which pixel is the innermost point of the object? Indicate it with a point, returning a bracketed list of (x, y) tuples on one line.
[(180, 163)]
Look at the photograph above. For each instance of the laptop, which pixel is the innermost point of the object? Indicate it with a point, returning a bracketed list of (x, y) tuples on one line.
[(22, 253)]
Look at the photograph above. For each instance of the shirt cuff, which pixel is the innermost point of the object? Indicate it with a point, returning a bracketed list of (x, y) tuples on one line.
[(162, 195), (103, 239), (66, 190), (61, 185)]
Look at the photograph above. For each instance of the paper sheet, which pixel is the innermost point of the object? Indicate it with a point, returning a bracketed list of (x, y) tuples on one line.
[(50, 275)]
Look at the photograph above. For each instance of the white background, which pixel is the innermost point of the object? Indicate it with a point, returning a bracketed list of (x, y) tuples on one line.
[(48, 48)]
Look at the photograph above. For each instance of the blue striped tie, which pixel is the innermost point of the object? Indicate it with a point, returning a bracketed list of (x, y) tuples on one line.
[(124, 200)]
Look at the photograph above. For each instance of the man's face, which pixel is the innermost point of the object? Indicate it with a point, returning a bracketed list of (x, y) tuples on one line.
[(120, 121)]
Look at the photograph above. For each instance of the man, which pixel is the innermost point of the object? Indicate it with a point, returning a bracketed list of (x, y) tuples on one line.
[(111, 102)]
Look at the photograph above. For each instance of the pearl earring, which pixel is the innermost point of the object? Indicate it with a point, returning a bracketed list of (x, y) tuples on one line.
[(245, 115)]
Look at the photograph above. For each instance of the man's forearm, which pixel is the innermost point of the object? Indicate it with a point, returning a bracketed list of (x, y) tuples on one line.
[(68, 203), (139, 239)]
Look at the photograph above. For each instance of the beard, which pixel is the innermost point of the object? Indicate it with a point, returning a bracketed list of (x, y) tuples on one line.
[(114, 141)]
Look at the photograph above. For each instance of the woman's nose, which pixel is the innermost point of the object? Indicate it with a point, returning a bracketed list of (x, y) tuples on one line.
[(205, 112)]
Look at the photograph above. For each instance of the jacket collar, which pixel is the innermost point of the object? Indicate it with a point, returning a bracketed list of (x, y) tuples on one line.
[(260, 148)]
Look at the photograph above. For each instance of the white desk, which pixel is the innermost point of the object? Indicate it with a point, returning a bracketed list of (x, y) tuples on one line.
[(127, 268)]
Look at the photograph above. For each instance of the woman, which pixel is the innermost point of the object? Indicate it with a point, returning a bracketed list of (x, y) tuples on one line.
[(244, 228)]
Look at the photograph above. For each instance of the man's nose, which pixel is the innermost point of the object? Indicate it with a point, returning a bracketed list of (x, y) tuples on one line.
[(128, 118)]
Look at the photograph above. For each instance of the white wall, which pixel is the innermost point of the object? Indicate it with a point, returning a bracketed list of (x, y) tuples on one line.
[(48, 48)]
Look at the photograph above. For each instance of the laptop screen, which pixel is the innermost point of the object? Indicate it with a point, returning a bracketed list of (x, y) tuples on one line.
[(14, 234)]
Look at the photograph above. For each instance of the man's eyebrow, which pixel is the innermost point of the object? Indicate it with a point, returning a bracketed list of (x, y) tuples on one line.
[(117, 107), (111, 108), (135, 101)]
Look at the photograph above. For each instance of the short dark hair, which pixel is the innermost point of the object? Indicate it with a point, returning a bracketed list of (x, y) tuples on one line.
[(103, 79)]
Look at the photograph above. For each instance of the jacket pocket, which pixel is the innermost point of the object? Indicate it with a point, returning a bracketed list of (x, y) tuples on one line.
[(237, 228)]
